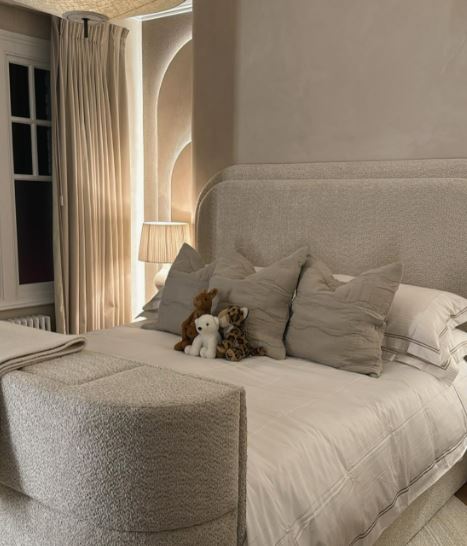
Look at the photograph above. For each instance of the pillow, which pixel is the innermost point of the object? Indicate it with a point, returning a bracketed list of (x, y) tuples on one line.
[(151, 309), (421, 325), (342, 324), (458, 354), (187, 277), (267, 294)]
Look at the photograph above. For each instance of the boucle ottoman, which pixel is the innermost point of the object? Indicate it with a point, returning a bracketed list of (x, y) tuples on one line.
[(99, 450)]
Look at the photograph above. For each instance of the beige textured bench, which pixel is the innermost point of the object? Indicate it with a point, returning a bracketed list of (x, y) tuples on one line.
[(99, 450)]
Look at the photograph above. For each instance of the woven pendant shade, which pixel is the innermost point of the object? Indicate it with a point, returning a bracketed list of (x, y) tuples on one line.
[(161, 241), (112, 9)]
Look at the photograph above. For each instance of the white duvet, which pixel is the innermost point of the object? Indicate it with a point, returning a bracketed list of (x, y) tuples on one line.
[(333, 457)]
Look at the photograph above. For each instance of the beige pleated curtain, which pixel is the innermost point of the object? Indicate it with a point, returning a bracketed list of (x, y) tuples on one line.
[(91, 177)]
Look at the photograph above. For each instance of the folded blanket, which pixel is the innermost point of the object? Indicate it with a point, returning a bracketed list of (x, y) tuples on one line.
[(21, 346)]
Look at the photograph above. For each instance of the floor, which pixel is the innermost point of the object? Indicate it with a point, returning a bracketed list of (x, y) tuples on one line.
[(447, 528), (462, 494)]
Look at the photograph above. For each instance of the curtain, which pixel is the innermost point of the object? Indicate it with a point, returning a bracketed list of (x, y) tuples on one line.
[(92, 202)]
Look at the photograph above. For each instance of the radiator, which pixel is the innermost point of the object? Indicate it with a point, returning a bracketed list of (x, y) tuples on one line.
[(42, 322)]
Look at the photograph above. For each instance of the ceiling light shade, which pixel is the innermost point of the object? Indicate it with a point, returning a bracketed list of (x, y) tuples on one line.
[(79, 16), (114, 9)]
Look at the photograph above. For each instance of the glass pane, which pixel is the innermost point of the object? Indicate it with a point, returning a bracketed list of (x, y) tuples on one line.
[(42, 86), (44, 156), (19, 90), (34, 231), (22, 153)]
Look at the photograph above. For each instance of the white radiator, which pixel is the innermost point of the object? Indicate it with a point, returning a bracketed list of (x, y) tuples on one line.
[(42, 322)]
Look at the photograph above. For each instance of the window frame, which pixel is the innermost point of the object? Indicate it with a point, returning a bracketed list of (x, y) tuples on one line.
[(35, 53)]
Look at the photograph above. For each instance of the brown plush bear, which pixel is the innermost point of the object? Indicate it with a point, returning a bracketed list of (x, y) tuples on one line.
[(202, 306)]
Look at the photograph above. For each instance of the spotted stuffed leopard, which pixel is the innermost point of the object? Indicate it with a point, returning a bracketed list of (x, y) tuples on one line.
[(234, 345)]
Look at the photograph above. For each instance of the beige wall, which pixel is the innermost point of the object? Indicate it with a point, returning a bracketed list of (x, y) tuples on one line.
[(215, 38), (174, 119), (322, 80), (162, 39), (182, 205), (24, 21), (167, 104)]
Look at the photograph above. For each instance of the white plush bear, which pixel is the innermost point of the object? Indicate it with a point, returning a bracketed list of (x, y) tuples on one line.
[(205, 343)]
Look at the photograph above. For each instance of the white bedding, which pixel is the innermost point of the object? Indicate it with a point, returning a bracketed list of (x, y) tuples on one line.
[(333, 457)]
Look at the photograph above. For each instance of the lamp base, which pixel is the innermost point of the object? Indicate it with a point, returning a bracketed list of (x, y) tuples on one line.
[(161, 276)]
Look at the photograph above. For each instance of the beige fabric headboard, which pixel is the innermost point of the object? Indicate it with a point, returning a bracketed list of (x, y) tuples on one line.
[(355, 215)]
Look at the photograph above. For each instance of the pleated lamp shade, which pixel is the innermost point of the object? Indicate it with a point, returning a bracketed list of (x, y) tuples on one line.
[(111, 10), (161, 241)]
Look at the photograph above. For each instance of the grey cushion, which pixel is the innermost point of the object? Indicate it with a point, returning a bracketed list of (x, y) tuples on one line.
[(267, 294), (342, 324), (187, 277), (151, 308)]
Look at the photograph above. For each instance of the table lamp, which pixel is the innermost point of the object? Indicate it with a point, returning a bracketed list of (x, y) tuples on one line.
[(160, 243)]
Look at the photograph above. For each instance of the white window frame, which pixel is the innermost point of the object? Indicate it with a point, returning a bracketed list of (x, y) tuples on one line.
[(25, 50)]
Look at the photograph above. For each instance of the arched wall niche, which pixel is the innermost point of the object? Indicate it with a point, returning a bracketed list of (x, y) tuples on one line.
[(174, 122), (167, 113), (182, 186)]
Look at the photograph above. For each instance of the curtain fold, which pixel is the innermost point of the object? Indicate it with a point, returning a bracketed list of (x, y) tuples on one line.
[(92, 202)]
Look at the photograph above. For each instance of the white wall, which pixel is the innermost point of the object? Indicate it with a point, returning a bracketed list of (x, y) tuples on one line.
[(134, 65)]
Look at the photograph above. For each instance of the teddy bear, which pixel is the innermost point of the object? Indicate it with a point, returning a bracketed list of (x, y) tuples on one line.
[(234, 345), (202, 304), (205, 343)]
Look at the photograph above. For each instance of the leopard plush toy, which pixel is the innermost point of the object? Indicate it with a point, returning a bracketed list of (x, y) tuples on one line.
[(234, 345)]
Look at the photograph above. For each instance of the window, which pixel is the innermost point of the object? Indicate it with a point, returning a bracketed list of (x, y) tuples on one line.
[(26, 251), (30, 127)]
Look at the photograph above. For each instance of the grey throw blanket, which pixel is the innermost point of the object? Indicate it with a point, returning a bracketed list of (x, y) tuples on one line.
[(21, 346)]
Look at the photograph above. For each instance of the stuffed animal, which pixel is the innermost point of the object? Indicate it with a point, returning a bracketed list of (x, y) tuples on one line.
[(205, 343), (202, 304), (235, 345)]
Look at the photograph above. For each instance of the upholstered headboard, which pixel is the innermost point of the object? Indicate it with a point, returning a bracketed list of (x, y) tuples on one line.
[(354, 215)]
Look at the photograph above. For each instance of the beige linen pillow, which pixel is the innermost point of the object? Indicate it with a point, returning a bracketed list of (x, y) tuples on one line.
[(421, 330), (187, 277), (267, 294), (342, 324)]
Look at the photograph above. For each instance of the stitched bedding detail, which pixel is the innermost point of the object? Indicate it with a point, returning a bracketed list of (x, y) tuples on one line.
[(414, 341), (335, 488), (405, 489)]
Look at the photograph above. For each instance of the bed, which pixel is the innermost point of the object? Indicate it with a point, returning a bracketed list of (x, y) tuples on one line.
[(330, 454), (336, 458)]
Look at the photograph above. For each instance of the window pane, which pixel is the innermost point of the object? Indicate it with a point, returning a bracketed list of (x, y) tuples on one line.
[(22, 154), (19, 90), (34, 231), (42, 86), (44, 151)]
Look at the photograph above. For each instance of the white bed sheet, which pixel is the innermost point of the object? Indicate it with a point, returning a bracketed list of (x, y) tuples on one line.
[(333, 457)]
